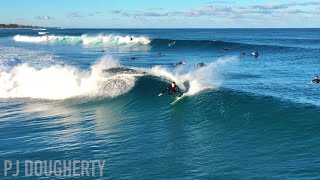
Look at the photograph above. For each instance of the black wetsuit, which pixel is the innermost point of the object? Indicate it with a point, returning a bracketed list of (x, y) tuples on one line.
[(173, 90), (316, 81)]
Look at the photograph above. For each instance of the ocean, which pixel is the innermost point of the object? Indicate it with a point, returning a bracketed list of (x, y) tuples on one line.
[(92, 94)]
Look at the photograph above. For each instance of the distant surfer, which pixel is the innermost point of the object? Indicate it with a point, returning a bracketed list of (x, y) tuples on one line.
[(159, 54), (243, 53), (224, 49), (171, 44), (131, 38), (255, 54), (132, 58), (172, 90), (201, 64), (316, 80), (180, 63)]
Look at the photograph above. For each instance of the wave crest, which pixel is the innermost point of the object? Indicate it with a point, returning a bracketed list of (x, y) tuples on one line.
[(85, 39), (104, 79), (61, 82), (199, 79)]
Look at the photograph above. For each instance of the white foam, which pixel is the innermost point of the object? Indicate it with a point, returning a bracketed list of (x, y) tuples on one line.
[(199, 79), (61, 82), (39, 29), (33, 39), (86, 39), (12, 56), (41, 33)]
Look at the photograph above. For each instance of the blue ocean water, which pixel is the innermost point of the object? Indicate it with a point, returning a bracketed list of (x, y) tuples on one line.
[(92, 94)]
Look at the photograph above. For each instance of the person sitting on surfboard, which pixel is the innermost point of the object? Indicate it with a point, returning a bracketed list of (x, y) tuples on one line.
[(316, 80), (172, 89)]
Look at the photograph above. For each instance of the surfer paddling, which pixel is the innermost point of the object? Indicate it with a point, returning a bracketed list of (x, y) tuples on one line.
[(172, 89)]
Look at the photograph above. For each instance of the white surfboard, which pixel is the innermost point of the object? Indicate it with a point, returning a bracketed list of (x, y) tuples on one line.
[(177, 100)]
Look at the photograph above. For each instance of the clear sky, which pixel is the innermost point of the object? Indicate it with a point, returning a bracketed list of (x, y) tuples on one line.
[(162, 13)]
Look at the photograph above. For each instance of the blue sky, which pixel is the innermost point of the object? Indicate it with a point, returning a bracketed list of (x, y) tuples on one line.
[(162, 14)]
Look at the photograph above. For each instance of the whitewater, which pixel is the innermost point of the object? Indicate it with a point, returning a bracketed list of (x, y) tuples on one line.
[(61, 82), (85, 39)]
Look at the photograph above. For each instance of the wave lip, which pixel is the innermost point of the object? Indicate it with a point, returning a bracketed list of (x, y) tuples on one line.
[(31, 39), (85, 39)]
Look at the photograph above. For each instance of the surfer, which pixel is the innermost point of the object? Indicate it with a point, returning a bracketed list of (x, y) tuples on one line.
[(201, 64), (172, 89), (316, 80), (255, 54), (131, 38), (243, 53), (180, 63), (225, 49), (171, 44)]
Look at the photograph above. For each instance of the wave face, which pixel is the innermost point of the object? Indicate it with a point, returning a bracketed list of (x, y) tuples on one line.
[(106, 78), (85, 39), (215, 45), (125, 40), (136, 41)]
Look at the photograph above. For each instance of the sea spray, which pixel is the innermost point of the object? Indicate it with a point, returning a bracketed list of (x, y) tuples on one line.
[(199, 79), (61, 82), (13, 56)]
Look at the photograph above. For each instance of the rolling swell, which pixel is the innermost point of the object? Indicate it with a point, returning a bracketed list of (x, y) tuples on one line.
[(147, 88), (156, 43), (210, 45), (228, 129)]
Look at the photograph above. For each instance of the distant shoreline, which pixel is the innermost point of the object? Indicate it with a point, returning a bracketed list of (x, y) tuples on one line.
[(19, 26)]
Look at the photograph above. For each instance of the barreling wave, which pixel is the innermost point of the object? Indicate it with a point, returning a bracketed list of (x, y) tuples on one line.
[(85, 39), (107, 79)]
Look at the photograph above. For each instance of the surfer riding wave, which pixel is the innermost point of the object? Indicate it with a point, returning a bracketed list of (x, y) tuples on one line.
[(172, 90)]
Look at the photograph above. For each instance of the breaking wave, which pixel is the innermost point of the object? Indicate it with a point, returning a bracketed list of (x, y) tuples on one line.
[(106, 78), (85, 39)]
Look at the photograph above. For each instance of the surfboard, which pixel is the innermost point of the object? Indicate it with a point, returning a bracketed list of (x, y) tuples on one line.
[(177, 100)]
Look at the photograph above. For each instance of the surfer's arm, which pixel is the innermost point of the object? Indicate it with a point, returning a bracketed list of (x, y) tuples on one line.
[(163, 92)]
